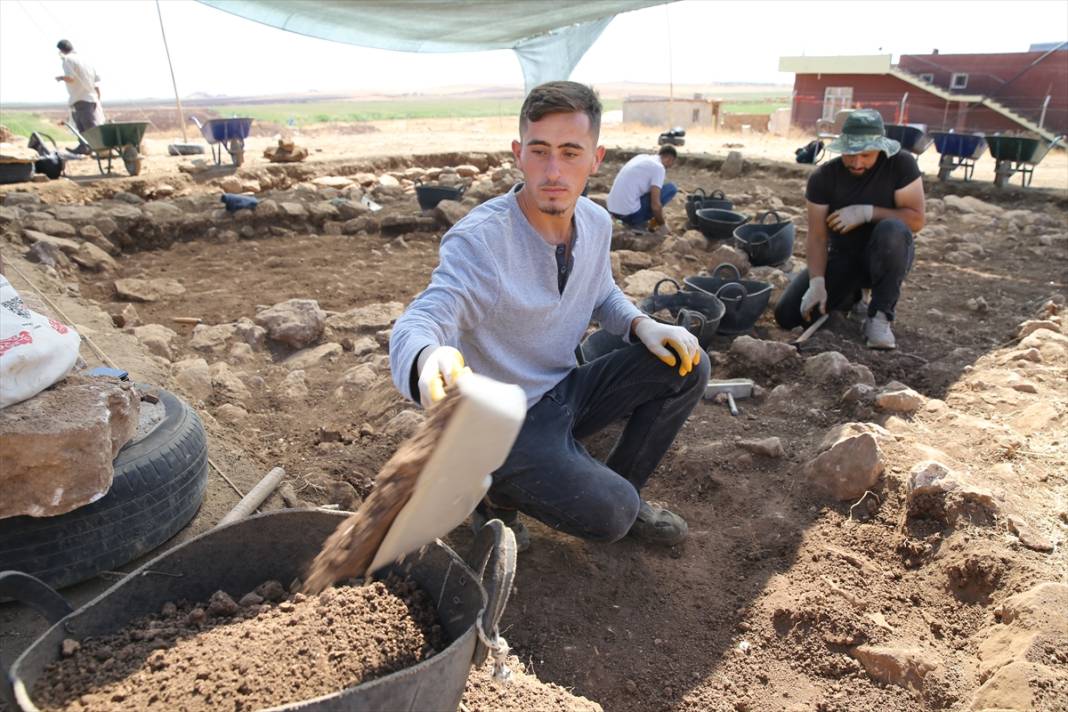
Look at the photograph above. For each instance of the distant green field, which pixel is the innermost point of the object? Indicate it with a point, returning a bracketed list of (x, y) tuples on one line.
[(356, 111), (755, 107), (23, 123)]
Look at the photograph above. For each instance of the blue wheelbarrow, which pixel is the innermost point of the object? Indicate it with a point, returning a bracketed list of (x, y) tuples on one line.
[(958, 151), (225, 135)]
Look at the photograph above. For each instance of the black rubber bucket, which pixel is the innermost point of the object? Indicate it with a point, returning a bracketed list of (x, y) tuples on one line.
[(766, 243), (430, 195), (280, 546), (744, 299), (719, 224), (698, 200), (698, 312)]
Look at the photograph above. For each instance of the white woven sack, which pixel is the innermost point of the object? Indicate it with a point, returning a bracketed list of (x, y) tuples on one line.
[(35, 351)]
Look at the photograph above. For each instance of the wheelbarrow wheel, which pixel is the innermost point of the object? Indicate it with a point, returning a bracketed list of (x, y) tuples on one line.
[(237, 151), (132, 159)]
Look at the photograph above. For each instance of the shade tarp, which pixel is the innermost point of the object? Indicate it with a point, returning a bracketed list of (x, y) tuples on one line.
[(548, 36)]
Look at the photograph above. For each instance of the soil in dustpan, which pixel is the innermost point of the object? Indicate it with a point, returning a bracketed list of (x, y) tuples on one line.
[(271, 648)]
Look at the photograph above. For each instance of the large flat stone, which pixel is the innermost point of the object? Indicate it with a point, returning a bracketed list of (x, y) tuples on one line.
[(57, 448)]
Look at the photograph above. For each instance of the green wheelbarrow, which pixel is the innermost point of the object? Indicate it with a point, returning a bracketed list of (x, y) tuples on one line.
[(1017, 154), (114, 140)]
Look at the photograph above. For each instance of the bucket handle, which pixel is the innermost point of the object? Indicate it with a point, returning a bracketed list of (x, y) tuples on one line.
[(738, 289), (39, 596), (688, 318), (730, 268), (698, 194), (656, 287), (752, 240), (492, 557), (717, 195), (762, 218)]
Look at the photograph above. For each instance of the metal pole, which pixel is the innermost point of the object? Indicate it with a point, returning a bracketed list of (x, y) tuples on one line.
[(671, 74), (1042, 118), (174, 83), (901, 110)]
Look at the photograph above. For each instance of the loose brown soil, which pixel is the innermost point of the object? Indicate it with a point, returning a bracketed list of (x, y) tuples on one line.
[(274, 649), (763, 607)]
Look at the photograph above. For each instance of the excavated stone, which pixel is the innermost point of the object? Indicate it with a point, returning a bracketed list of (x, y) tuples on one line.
[(449, 212), (193, 378), (57, 448), (372, 317), (94, 259), (641, 284), (768, 447), (227, 383), (313, 356), (895, 397), (148, 290), (294, 386), (158, 339), (847, 468), (295, 322), (905, 666), (761, 353), (725, 254)]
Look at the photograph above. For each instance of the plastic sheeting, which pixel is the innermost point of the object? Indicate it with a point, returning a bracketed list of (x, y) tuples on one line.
[(548, 36)]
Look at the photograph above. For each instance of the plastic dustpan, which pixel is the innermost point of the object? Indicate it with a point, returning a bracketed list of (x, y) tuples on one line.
[(456, 476)]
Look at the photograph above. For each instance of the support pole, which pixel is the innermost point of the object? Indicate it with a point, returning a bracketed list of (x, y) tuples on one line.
[(255, 497), (174, 83)]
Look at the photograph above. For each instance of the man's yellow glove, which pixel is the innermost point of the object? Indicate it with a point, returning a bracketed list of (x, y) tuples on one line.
[(657, 337), (438, 369)]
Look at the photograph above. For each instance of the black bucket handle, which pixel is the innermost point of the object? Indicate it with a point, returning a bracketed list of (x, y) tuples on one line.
[(39, 596), (698, 194), (689, 318), (752, 240), (492, 558), (656, 287), (729, 267), (717, 195), (761, 218), (732, 302)]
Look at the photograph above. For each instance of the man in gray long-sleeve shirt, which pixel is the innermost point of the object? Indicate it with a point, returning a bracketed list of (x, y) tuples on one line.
[(518, 281)]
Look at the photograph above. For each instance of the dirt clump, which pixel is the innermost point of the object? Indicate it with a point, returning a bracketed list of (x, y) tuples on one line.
[(272, 650)]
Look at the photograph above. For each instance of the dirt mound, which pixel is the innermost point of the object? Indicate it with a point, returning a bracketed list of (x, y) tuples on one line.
[(270, 649)]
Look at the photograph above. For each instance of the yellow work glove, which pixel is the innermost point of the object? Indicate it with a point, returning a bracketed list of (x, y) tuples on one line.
[(438, 369), (657, 337)]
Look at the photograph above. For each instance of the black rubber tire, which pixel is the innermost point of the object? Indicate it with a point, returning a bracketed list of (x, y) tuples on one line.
[(157, 488)]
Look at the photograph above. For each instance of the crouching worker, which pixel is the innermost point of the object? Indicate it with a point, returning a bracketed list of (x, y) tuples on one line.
[(863, 209), (639, 193), (518, 281)]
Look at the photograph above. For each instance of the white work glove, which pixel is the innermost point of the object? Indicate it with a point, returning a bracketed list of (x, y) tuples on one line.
[(438, 369), (850, 217), (657, 337), (815, 295)]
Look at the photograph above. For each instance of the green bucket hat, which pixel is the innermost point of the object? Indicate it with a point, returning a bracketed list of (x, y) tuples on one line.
[(862, 131)]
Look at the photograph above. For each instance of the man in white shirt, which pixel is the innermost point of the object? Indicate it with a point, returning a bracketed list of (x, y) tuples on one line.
[(639, 193), (84, 93)]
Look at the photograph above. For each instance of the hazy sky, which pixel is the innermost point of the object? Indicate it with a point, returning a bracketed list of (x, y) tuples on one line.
[(693, 42)]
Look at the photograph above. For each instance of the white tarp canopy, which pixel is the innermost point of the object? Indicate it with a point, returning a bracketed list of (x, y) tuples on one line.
[(548, 36)]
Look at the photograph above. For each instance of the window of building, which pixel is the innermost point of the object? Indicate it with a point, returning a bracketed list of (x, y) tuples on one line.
[(836, 99), (959, 81), (927, 77)]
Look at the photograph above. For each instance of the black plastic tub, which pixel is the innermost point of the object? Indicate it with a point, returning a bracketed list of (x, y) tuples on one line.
[(698, 200), (430, 195), (766, 243), (744, 299), (719, 224)]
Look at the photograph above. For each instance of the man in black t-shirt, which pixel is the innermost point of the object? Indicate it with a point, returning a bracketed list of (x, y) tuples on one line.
[(863, 209)]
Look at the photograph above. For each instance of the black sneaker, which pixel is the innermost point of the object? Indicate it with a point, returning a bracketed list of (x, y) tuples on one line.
[(658, 525), (483, 513)]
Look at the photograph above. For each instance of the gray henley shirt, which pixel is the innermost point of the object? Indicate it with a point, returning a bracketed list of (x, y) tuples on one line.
[(495, 296)]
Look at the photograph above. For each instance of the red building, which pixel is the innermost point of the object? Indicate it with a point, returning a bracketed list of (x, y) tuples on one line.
[(1019, 91)]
